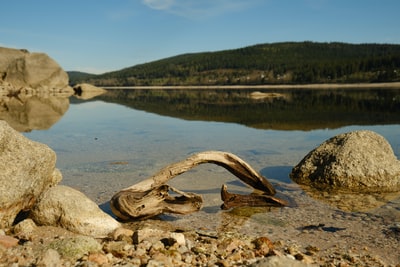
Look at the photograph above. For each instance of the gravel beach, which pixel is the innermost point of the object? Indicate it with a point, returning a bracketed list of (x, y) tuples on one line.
[(308, 232)]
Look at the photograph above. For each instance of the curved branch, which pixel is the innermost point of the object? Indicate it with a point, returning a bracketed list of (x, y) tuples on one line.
[(150, 197)]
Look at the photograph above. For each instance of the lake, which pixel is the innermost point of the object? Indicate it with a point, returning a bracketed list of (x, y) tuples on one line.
[(117, 139), (114, 140)]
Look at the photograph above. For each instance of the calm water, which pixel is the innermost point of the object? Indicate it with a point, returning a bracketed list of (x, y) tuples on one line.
[(115, 140)]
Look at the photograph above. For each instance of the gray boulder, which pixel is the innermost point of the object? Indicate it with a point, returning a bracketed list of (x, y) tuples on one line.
[(20, 69), (70, 209), (359, 161), (27, 169)]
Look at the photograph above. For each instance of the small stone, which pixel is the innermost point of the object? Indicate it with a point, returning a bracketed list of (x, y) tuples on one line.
[(50, 258), (146, 233), (160, 259), (155, 234), (176, 257), (248, 254), (145, 245), (74, 248), (25, 229), (179, 237), (304, 258), (117, 248), (8, 241), (311, 250), (187, 258), (199, 249), (234, 257), (157, 246), (292, 250), (277, 261), (116, 235), (98, 258), (263, 246), (223, 263)]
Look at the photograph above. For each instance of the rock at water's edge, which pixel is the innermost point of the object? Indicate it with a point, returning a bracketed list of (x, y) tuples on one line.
[(20, 69), (68, 208), (27, 169), (87, 91), (359, 161)]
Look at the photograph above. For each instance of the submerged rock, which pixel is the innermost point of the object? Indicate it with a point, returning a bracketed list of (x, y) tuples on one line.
[(27, 169), (359, 161), (68, 208)]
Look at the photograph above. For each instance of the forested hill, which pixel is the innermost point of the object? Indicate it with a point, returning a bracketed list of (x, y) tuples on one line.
[(276, 63)]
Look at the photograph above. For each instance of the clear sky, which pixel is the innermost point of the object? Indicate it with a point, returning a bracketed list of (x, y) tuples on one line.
[(104, 35)]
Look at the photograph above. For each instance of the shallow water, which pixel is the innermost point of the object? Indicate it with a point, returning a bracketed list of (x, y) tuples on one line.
[(104, 145), (120, 138)]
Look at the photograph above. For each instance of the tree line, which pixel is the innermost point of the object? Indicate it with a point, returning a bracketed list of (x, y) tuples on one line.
[(276, 63)]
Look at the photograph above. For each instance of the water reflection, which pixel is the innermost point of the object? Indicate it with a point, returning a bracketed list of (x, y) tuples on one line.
[(284, 110), (352, 202), (25, 112), (95, 133)]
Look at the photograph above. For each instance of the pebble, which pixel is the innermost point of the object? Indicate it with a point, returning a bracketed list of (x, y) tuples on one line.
[(155, 247), (98, 258), (50, 258), (8, 241), (25, 229), (122, 233)]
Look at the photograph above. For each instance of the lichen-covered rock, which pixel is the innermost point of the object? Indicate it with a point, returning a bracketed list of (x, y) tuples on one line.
[(74, 248), (359, 161), (27, 169), (68, 208)]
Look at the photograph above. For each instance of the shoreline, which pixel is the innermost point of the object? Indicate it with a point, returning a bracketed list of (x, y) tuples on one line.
[(271, 86)]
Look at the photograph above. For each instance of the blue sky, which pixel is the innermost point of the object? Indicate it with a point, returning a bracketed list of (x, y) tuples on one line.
[(104, 35)]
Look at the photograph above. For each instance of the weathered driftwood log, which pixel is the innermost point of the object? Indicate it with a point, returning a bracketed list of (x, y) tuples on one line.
[(252, 200), (151, 196)]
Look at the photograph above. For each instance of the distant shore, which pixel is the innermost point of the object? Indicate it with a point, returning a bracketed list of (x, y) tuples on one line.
[(274, 86)]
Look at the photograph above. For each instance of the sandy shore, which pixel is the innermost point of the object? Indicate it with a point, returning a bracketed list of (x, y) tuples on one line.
[(275, 86)]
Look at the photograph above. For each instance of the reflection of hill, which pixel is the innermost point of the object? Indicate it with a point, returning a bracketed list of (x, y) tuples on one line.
[(289, 110)]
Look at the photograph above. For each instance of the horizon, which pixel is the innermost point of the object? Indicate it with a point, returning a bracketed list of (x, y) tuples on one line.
[(99, 36)]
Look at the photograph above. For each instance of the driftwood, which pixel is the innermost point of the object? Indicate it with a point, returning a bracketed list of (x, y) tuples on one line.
[(254, 200), (151, 196)]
